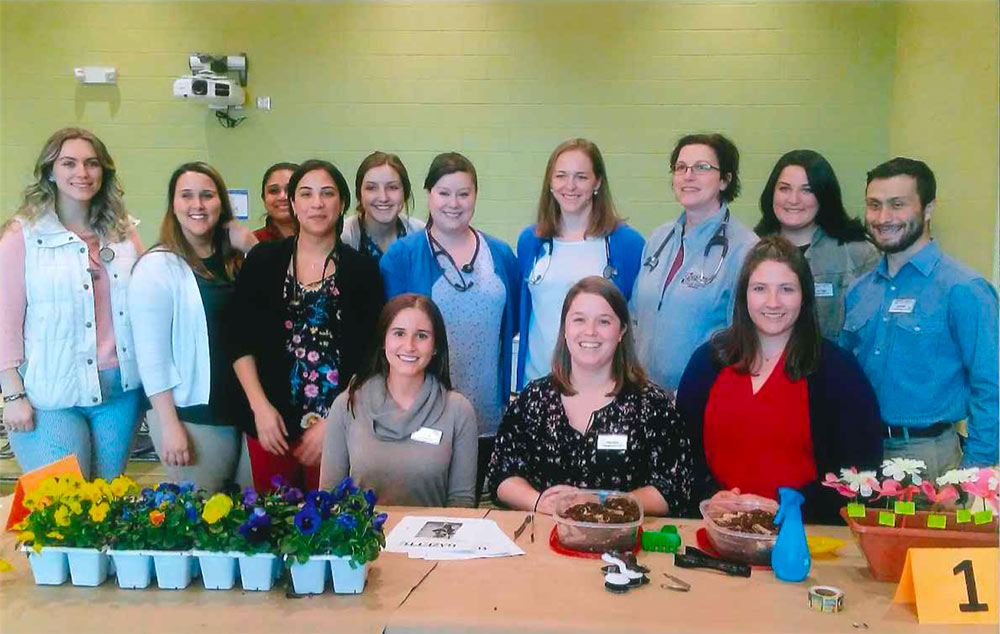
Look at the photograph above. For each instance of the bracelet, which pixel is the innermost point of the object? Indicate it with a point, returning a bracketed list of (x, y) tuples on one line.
[(10, 398)]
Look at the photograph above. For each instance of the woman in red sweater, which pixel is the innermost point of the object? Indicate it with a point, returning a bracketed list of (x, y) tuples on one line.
[(770, 402)]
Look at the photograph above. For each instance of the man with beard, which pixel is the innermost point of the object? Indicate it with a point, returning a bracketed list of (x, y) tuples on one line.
[(924, 328)]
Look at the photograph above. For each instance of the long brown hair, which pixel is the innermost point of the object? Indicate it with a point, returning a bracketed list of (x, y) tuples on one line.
[(625, 367), (603, 217), (172, 238), (106, 214), (378, 365), (378, 159), (739, 344)]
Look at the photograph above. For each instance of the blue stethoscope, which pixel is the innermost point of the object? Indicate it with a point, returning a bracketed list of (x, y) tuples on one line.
[(545, 254)]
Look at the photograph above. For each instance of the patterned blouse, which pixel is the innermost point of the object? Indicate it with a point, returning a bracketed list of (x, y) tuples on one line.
[(313, 344), (537, 443)]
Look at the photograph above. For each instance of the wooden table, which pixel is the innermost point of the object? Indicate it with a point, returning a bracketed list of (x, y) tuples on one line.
[(539, 592)]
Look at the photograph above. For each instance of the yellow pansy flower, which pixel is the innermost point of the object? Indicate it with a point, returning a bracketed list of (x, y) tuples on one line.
[(99, 511), (217, 507), (121, 486), (55, 535), (62, 515), (25, 536)]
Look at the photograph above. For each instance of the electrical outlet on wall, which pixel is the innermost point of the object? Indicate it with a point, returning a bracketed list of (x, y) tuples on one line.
[(263, 103)]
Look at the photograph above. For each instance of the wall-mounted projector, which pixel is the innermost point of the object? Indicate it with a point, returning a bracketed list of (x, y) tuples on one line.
[(217, 92)]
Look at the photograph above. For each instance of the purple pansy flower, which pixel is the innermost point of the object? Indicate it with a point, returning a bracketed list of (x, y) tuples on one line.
[(249, 496), (347, 522), (307, 520), (379, 521)]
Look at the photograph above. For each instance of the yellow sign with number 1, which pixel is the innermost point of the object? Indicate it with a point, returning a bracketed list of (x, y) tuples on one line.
[(951, 585)]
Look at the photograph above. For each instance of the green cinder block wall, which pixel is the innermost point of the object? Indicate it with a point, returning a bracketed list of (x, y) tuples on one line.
[(504, 82)]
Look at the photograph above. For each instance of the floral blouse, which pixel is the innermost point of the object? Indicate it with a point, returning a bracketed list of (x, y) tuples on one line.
[(313, 344), (537, 443)]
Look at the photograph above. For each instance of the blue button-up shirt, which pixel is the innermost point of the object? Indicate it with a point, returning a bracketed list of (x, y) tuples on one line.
[(927, 339)]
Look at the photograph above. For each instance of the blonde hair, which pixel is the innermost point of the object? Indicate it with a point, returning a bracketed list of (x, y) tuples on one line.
[(106, 215)]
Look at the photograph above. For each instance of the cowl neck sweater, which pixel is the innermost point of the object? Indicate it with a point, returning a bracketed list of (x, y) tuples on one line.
[(391, 422)]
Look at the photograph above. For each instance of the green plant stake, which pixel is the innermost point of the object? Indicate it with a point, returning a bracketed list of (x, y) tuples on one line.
[(905, 508), (887, 518), (855, 510), (983, 517), (963, 515), (937, 521)]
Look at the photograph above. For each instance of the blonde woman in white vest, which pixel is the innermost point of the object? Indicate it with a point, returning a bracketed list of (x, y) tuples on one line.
[(67, 369)]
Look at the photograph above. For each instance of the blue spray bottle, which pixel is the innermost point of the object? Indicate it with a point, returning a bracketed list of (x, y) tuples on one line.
[(790, 558)]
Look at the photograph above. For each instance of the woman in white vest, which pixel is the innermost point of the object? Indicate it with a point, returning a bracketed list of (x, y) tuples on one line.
[(67, 368), (180, 295)]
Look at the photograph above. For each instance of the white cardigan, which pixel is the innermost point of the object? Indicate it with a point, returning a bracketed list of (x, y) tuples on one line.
[(170, 329)]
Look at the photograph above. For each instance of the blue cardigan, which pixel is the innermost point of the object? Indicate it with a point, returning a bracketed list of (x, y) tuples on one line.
[(408, 267), (626, 256), (844, 421)]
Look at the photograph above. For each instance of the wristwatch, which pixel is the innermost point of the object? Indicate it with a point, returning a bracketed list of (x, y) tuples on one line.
[(10, 398)]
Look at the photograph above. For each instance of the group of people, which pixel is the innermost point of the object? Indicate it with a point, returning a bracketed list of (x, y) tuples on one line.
[(710, 358)]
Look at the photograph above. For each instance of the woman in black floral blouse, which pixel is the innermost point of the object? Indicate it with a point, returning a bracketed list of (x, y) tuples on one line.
[(304, 315), (596, 421)]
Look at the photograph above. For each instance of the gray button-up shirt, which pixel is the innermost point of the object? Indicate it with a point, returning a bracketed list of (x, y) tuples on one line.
[(834, 266)]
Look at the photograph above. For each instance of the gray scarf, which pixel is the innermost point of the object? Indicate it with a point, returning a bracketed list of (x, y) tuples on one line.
[(389, 421)]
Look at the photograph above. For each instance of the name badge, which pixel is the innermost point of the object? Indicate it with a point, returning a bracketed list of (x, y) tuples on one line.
[(902, 306), (824, 289), (427, 435), (612, 442)]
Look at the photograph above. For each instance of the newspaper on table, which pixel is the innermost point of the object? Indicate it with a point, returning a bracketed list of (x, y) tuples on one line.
[(448, 538)]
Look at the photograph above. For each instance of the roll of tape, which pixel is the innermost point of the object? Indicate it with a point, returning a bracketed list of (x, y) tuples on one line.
[(826, 599)]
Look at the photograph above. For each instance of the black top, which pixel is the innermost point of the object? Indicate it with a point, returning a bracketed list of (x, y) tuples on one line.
[(216, 296), (260, 313), (536, 442)]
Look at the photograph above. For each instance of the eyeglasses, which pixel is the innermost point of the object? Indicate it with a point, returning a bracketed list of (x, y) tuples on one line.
[(699, 169)]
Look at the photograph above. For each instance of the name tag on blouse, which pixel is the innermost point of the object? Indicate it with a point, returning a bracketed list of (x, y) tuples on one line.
[(824, 289), (612, 442), (427, 435), (900, 305)]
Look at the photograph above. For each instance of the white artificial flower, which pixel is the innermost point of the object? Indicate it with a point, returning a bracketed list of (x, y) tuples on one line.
[(899, 468), (858, 482), (957, 476)]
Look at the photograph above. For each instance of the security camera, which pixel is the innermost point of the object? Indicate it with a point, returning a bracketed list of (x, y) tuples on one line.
[(217, 92)]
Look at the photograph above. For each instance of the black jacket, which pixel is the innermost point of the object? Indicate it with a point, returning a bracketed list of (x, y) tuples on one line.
[(259, 314), (843, 417)]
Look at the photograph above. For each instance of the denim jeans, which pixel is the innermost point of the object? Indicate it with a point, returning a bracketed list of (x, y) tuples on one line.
[(101, 435)]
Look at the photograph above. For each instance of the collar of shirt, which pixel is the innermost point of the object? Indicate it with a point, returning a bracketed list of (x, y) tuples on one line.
[(701, 234), (923, 260)]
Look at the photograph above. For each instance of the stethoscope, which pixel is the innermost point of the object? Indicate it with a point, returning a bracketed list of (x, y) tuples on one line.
[(538, 272), (437, 250), (694, 279), (368, 244)]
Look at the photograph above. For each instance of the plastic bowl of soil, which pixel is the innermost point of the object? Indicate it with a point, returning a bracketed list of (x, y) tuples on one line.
[(741, 529), (595, 521)]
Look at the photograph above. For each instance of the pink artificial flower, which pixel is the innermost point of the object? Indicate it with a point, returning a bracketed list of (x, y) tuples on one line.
[(945, 494), (833, 482), (893, 489), (985, 486)]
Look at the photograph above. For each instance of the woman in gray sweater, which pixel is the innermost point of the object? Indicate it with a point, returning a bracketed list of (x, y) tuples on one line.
[(399, 428)]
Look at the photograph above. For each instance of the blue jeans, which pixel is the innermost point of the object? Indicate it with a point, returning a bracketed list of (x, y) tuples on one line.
[(101, 436)]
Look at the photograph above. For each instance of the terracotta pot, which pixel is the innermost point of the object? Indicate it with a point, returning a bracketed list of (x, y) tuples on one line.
[(885, 547)]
